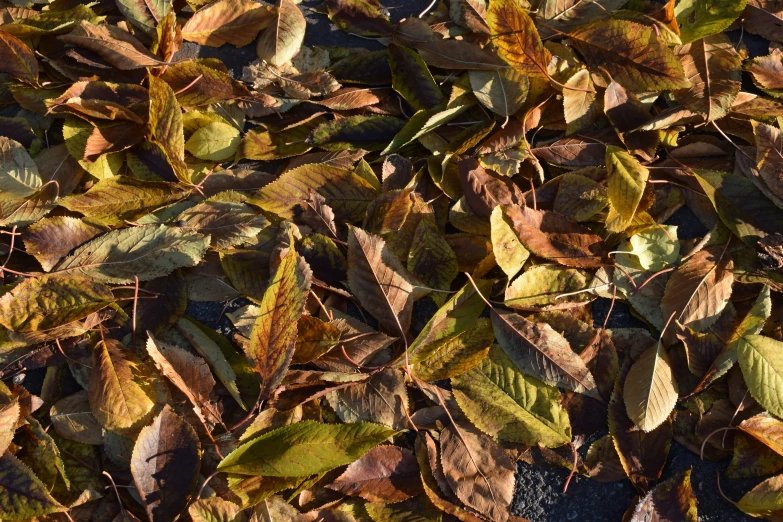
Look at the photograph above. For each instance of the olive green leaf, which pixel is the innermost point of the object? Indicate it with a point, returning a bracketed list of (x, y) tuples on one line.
[(650, 391), (304, 448), (23, 496), (765, 500), (19, 176), (281, 40), (216, 141), (701, 18), (412, 79), (540, 288), (581, 106), (431, 259), (112, 201), (627, 179), (344, 191), (366, 132), (508, 405), (273, 337), (510, 255), (502, 91), (454, 354), (656, 248), (198, 336), (144, 252), (120, 388), (42, 303), (761, 360), (740, 205), (166, 125)]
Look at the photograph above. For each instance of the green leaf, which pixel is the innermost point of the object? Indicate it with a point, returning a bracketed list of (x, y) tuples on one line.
[(353, 132), (344, 191), (456, 316), (581, 106), (198, 336), (76, 132), (420, 124), (454, 354), (22, 495), (765, 500), (627, 179), (19, 177), (113, 201), (507, 405), (761, 360), (215, 141), (702, 18), (226, 218), (273, 337), (144, 14), (510, 255), (304, 449), (656, 247), (412, 79), (631, 53), (49, 301), (166, 125), (502, 91), (144, 252), (539, 287), (740, 205), (281, 40), (431, 259)]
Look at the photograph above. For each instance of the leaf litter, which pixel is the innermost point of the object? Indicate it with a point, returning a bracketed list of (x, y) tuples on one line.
[(505, 164)]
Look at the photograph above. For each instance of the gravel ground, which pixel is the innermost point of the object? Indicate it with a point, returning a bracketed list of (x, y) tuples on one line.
[(538, 494)]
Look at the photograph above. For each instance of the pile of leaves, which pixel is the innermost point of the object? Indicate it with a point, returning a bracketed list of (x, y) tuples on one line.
[(415, 234)]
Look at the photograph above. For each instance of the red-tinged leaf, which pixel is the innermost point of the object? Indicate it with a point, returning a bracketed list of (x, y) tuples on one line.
[(631, 53), (196, 83), (273, 337), (112, 44), (555, 237), (516, 38), (538, 350), (670, 500), (228, 21), (17, 60), (379, 281), (477, 470), (699, 289), (383, 474), (484, 189)]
